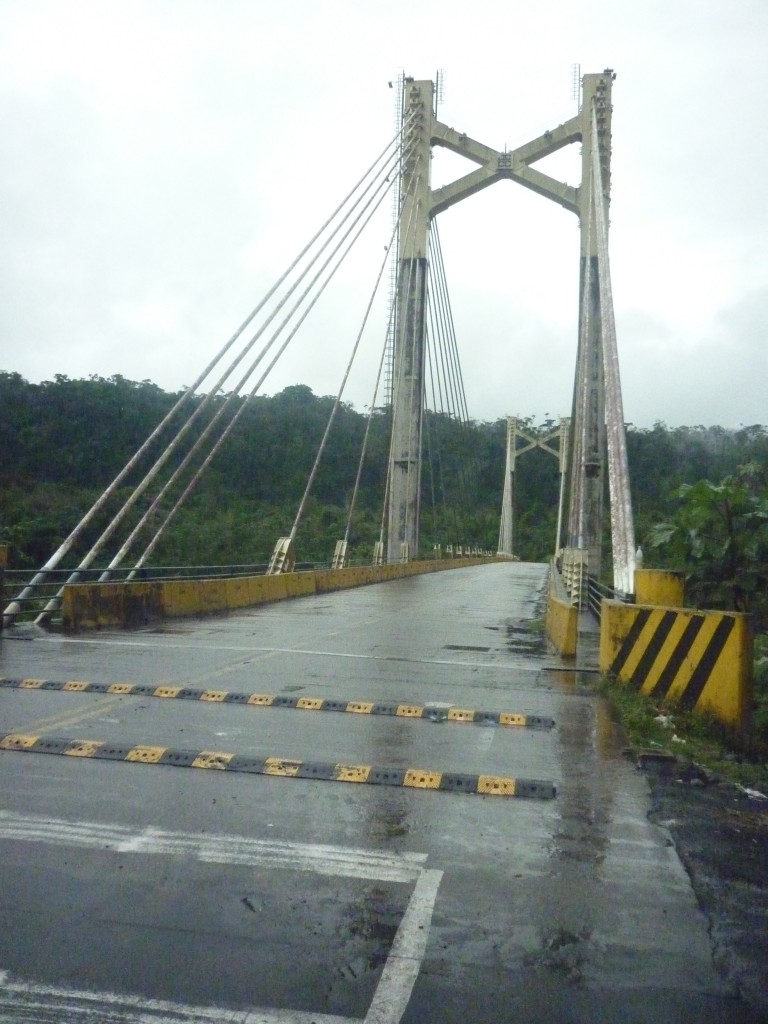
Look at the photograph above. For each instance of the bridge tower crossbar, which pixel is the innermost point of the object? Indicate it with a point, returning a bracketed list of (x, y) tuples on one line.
[(598, 436)]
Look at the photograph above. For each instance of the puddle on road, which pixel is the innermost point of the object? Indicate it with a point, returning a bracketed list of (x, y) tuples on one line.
[(571, 682), (465, 647), (525, 636)]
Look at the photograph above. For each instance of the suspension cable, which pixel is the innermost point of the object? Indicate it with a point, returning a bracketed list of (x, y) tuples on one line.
[(65, 547), (368, 422), (263, 377), (334, 410), (381, 191), (450, 331), (336, 404), (382, 187)]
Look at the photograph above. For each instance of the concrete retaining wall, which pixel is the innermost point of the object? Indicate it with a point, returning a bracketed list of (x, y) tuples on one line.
[(106, 605)]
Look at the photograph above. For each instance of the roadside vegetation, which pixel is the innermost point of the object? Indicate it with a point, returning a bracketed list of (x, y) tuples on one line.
[(693, 739), (700, 495), (63, 441), (717, 533)]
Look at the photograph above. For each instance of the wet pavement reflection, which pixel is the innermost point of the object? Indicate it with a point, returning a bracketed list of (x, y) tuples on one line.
[(215, 893)]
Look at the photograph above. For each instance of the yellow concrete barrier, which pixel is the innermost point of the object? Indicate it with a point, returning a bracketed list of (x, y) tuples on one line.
[(562, 618), (300, 584), (659, 587), (266, 589), (697, 660), (179, 598), (102, 605), (238, 595)]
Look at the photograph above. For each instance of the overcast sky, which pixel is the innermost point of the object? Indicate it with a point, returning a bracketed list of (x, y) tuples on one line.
[(163, 160)]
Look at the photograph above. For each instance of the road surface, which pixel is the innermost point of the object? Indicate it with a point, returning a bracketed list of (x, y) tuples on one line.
[(136, 889)]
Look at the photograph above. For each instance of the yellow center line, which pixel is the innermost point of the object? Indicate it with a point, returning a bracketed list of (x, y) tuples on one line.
[(42, 725)]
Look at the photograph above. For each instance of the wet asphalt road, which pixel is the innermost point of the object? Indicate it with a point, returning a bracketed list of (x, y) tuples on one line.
[(139, 892)]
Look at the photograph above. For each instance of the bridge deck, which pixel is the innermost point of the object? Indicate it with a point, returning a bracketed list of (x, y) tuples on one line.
[(139, 892)]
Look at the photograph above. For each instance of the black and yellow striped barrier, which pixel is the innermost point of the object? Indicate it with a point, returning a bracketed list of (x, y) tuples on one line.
[(699, 661), (426, 712), (412, 778)]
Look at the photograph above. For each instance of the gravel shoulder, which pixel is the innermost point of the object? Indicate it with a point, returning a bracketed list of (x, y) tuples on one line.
[(721, 836)]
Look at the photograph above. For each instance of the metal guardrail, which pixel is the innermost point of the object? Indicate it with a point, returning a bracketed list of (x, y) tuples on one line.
[(30, 607), (17, 579), (596, 591)]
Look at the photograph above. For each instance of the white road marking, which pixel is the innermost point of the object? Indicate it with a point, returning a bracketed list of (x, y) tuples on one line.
[(336, 861), (450, 663), (405, 958), (28, 1001)]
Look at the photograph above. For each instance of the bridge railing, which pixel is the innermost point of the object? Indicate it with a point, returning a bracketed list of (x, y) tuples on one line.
[(586, 591), (16, 580), (573, 567), (597, 591), (29, 608)]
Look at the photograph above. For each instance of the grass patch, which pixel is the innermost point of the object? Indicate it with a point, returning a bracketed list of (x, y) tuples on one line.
[(691, 737)]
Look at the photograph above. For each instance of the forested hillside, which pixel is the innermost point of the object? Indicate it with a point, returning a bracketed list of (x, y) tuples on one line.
[(63, 441)]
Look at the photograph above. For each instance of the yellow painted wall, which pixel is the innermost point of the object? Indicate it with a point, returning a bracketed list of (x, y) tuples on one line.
[(562, 626), (102, 605), (659, 587), (562, 618)]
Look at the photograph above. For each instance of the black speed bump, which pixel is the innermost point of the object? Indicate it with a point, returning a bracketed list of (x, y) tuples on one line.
[(424, 712), (217, 760)]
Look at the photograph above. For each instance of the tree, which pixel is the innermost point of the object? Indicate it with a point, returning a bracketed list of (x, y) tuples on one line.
[(719, 536)]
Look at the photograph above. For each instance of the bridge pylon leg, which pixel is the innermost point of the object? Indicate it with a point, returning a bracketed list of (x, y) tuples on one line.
[(588, 451), (410, 323)]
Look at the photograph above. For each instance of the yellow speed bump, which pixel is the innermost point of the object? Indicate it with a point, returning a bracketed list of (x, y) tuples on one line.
[(461, 715), (147, 755), (417, 779), (212, 759), (496, 785), (16, 741), (409, 711), (413, 778), (509, 719)]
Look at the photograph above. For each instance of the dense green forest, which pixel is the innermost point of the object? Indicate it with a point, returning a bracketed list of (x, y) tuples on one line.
[(63, 441)]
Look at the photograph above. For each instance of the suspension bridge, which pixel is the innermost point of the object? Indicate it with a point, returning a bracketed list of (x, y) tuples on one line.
[(486, 855), (419, 362)]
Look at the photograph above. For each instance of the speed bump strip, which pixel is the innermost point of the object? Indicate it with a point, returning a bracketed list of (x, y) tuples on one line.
[(412, 778), (427, 712)]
